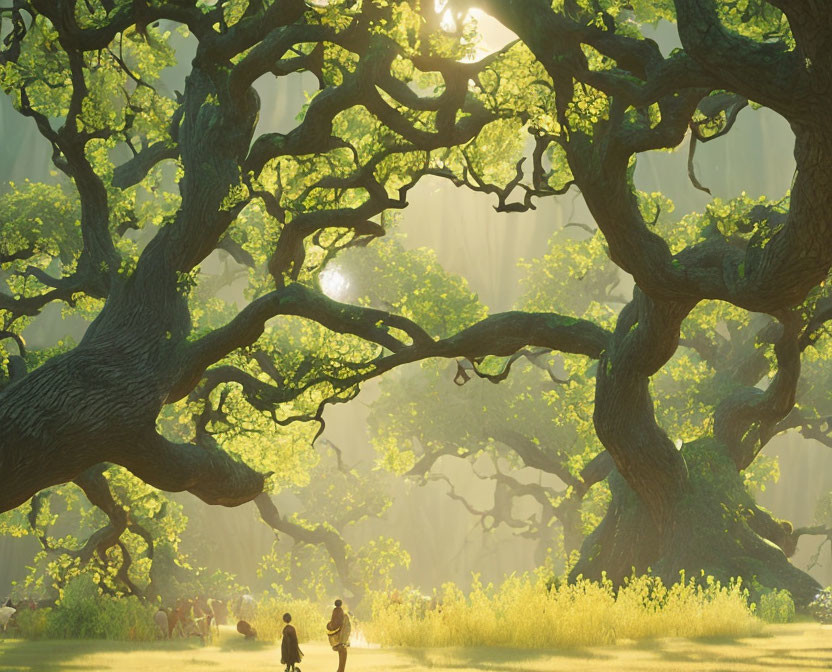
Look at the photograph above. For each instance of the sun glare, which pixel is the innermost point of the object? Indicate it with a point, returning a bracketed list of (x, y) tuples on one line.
[(334, 283), (493, 34)]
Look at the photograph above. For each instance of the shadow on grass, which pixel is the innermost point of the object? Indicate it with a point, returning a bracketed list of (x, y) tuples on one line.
[(757, 653), (241, 644), (61, 654), (493, 658)]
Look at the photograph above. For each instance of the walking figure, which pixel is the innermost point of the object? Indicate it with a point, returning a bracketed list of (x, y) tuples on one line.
[(290, 653)]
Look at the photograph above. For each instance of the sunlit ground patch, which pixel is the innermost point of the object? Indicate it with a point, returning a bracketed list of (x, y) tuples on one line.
[(797, 646)]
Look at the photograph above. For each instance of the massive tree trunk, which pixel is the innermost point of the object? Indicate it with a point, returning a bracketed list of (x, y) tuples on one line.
[(686, 509), (666, 513), (715, 528), (99, 403)]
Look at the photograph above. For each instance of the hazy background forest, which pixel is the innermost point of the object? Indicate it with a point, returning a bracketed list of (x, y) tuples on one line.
[(445, 541)]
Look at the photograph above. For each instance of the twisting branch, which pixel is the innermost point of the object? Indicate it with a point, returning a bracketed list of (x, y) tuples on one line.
[(203, 469), (765, 72), (815, 531), (809, 23), (136, 169), (99, 259), (500, 512), (421, 469), (33, 305), (772, 412), (713, 107), (746, 420), (17, 338), (535, 456), (595, 471), (472, 181), (97, 490), (26, 253), (502, 334), (319, 535)]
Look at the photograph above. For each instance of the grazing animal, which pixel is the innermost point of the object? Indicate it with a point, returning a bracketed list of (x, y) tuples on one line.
[(162, 622), (180, 620), (220, 612), (5, 615), (188, 620), (245, 629), (203, 616)]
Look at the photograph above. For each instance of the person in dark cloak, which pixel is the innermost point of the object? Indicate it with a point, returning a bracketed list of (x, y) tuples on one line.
[(290, 653)]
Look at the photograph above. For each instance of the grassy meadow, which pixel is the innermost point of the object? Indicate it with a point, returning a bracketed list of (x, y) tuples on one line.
[(795, 646)]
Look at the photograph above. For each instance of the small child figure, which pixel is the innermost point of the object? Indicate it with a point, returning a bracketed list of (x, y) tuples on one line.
[(290, 653)]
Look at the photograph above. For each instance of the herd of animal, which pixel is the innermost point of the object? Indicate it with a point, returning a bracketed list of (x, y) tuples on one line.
[(188, 617), (191, 617)]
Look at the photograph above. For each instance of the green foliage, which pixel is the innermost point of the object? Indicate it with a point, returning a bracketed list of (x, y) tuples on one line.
[(271, 424), (776, 606), (758, 20), (338, 499), (410, 283), (173, 576), (33, 623), (41, 217), (821, 607), (166, 573), (377, 560), (309, 618), (83, 612)]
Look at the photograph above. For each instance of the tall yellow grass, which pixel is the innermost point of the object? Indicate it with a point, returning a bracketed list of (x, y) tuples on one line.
[(308, 618), (522, 612)]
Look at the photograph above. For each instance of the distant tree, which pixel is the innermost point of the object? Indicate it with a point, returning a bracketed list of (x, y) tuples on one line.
[(121, 544), (312, 555), (536, 417)]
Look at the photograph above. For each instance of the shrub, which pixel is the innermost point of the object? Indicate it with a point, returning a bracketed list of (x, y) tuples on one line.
[(776, 606), (821, 607), (84, 613), (524, 612), (32, 623), (308, 618)]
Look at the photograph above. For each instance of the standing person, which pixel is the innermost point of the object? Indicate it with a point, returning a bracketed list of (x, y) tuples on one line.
[(290, 653), (338, 631)]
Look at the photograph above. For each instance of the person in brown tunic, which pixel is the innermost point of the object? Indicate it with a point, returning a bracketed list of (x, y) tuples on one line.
[(338, 631), (290, 653)]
